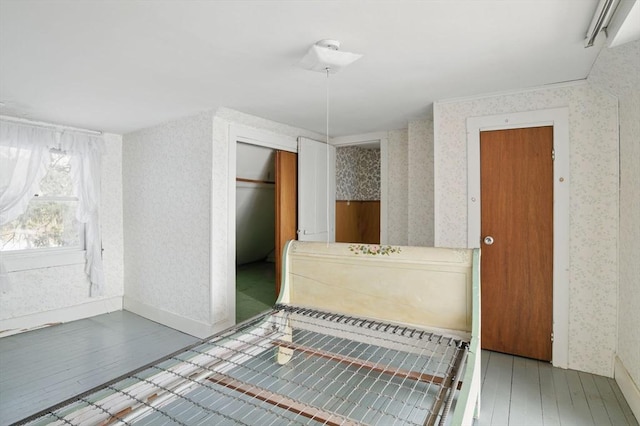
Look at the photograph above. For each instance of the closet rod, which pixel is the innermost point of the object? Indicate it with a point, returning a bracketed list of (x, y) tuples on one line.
[(47, 125), (255, 181)]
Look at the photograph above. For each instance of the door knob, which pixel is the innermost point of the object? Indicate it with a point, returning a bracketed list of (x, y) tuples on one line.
[(488, 240)]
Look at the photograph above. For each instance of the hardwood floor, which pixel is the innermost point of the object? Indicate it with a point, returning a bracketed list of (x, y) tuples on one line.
[(41, 368), (519, 391)]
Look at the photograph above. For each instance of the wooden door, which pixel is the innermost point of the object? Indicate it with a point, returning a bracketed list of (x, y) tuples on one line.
[(517, 266), (286, 205)]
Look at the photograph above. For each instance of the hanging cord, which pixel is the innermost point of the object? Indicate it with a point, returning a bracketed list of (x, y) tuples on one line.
[(328, 168)]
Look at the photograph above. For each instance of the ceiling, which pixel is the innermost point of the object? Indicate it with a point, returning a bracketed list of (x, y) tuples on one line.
[(119, 66)]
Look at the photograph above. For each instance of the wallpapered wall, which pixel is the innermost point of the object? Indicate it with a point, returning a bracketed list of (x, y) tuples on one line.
[(410, 184), (167, 182), (357, 173), (397, 204), (48, 289), (616, 70), (593, 204), (420, 183)]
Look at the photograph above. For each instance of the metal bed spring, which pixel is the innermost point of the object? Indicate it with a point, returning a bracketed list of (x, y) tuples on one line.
[(287, 366)]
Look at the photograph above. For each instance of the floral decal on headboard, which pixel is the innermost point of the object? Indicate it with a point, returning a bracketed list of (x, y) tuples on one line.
[(373, 249)]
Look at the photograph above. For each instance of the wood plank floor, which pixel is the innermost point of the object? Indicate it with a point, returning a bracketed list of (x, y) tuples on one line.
[(519, 391), (43, 367)]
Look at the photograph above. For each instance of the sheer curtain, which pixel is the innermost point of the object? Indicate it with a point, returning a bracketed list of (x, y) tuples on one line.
[(86, 154), (23, 161)]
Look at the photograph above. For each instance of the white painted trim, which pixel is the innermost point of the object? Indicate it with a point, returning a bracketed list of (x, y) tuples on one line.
[(559, 119), (232, 146), (30, 322), (561, 85), (361, 139), (384, 189), (436, 187), (250, 135), (628, 387), (190, 326), (36, 259)]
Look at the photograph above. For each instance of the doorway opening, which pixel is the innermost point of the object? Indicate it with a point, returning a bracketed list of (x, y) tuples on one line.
[(361, 188), (358, 194), (255, 230)]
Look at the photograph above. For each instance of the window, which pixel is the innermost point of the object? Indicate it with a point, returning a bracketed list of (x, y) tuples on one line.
[(43, 222), (49, 221)]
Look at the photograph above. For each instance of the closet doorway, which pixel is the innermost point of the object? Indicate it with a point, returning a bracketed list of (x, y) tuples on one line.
[(255, 230), (359, 193)]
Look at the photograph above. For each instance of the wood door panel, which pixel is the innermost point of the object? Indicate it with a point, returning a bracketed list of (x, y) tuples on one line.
[(358, 222), (517, 269), (286, 205)]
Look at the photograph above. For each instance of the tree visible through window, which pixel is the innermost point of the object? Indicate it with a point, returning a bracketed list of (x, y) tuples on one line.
[(49, 221)]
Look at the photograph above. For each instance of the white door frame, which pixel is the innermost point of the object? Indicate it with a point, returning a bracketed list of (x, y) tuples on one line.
[(365, 139), (559, 119), (243, 134)]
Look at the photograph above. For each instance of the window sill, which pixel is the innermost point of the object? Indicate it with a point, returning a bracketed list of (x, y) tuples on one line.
[(25, 261)]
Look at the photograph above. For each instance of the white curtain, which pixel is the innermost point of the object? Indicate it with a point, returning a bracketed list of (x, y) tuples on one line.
[(24, 167), (86, 154)]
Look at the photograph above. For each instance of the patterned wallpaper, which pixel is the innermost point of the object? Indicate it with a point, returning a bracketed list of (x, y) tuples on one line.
[(397, 204), (617, 71), (167, 192), (357, 173), (420, 183), (48, 289), (111, 216), (593, 204)]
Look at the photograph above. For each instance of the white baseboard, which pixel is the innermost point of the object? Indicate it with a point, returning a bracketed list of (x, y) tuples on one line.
[(193, 327), (57, 316), (628, 387)]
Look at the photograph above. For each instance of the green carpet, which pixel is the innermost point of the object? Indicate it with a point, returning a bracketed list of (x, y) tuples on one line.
[(255, 289)]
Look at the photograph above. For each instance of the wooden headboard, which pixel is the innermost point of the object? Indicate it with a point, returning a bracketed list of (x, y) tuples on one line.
[(422, 286)]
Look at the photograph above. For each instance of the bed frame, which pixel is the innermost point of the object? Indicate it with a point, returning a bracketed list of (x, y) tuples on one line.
[(360, 334)]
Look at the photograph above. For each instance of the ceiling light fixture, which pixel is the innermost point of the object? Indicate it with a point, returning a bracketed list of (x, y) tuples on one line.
[(325, 56), (600, 20)]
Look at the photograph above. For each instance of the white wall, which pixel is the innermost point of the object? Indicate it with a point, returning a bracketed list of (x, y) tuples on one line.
[(255, 221), (255, 162), (594, 204), (60, 294), (617, 70), (167, 186)]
